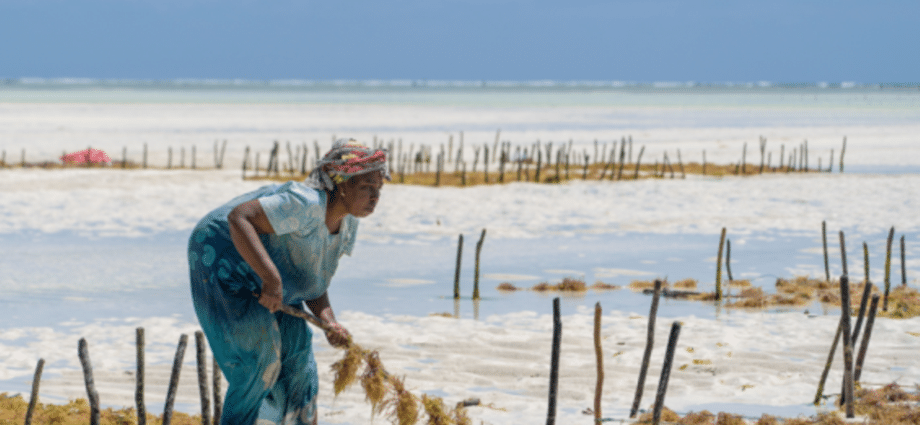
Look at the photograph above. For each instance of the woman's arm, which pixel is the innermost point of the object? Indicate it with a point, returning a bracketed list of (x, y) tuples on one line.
[(337, 335), (247, 221)]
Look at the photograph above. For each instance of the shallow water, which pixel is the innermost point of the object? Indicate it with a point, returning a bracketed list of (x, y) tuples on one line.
[(51, 278)]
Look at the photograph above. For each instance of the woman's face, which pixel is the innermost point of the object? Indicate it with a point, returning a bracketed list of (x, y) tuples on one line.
[(361, 193)]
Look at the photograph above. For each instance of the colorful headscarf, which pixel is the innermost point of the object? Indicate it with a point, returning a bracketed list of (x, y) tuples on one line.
[(346, 159)]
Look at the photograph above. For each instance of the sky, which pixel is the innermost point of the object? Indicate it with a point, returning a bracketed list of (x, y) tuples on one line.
[(627, 40)]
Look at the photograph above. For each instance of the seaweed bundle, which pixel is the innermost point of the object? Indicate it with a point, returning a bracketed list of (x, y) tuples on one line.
[(383, 391)]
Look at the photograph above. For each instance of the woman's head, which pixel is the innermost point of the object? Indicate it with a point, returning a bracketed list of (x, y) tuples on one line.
[(347, 158), (354, 173)]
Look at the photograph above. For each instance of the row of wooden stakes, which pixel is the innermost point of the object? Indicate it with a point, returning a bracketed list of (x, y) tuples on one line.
[(93, 395)]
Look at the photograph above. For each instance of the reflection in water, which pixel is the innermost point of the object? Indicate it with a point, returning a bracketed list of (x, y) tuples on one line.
[(476, 309), (457, 308)]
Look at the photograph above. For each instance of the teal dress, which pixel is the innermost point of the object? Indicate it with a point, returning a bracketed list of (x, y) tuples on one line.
[(267, 358)]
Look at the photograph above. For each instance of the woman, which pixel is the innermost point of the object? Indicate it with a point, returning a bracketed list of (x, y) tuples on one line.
[(279, 245)]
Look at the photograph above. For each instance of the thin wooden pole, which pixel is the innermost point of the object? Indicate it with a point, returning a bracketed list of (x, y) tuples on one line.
[(174, 380), (539, 165), (728, 259), (33, 398), (485, 163), (647, 355), (554, 363), (827, 267), (665, 372), (719, 267), (744, 159), (843, 150), (482, 238), (457, 269), (202, 363), (218, 403), (599, 355), (139, 378), (91, 393), (245, 161), (865, 262), (827, 364), (638, 161), (847, 346), (864, 344), (888, 269), (867, 291), (903, 264), (843, 253)]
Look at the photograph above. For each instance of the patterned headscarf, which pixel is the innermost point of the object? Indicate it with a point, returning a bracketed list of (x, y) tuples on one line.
[(346, 159)]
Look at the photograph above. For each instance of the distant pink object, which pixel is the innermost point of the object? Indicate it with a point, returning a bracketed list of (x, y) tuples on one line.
[(93, 156)]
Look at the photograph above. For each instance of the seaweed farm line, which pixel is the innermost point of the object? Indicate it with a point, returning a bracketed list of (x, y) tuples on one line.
[(507, 162)]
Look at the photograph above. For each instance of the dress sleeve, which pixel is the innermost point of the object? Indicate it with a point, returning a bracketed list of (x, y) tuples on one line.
[(290, 209)]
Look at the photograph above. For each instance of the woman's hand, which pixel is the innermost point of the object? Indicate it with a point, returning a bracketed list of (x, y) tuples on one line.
[(272, 296), (337, 335)]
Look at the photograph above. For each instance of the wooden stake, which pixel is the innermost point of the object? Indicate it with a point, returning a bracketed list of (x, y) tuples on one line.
[(223, 150), (139, 378), (827, 364), (847, 346), (843, 150), (680, 163), (485, 163), (649, 344), (704, 162), (202, 363), (864, 345), (728, 259), (867, 289), (666, 372), (888, 268), (843, 253), (827, 267), (463, 175), (719, 267), (599, 355), (638, 161), (554, 363), (903, 264), (744, 159), (218, 404), (482, 238), (174, 380), (622, 159), (457, 270), (539, 165), (865, 262), (33, 398), (91, 393)]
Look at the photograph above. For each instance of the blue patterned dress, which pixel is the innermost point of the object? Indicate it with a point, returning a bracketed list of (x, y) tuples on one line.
[(267, 358)]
